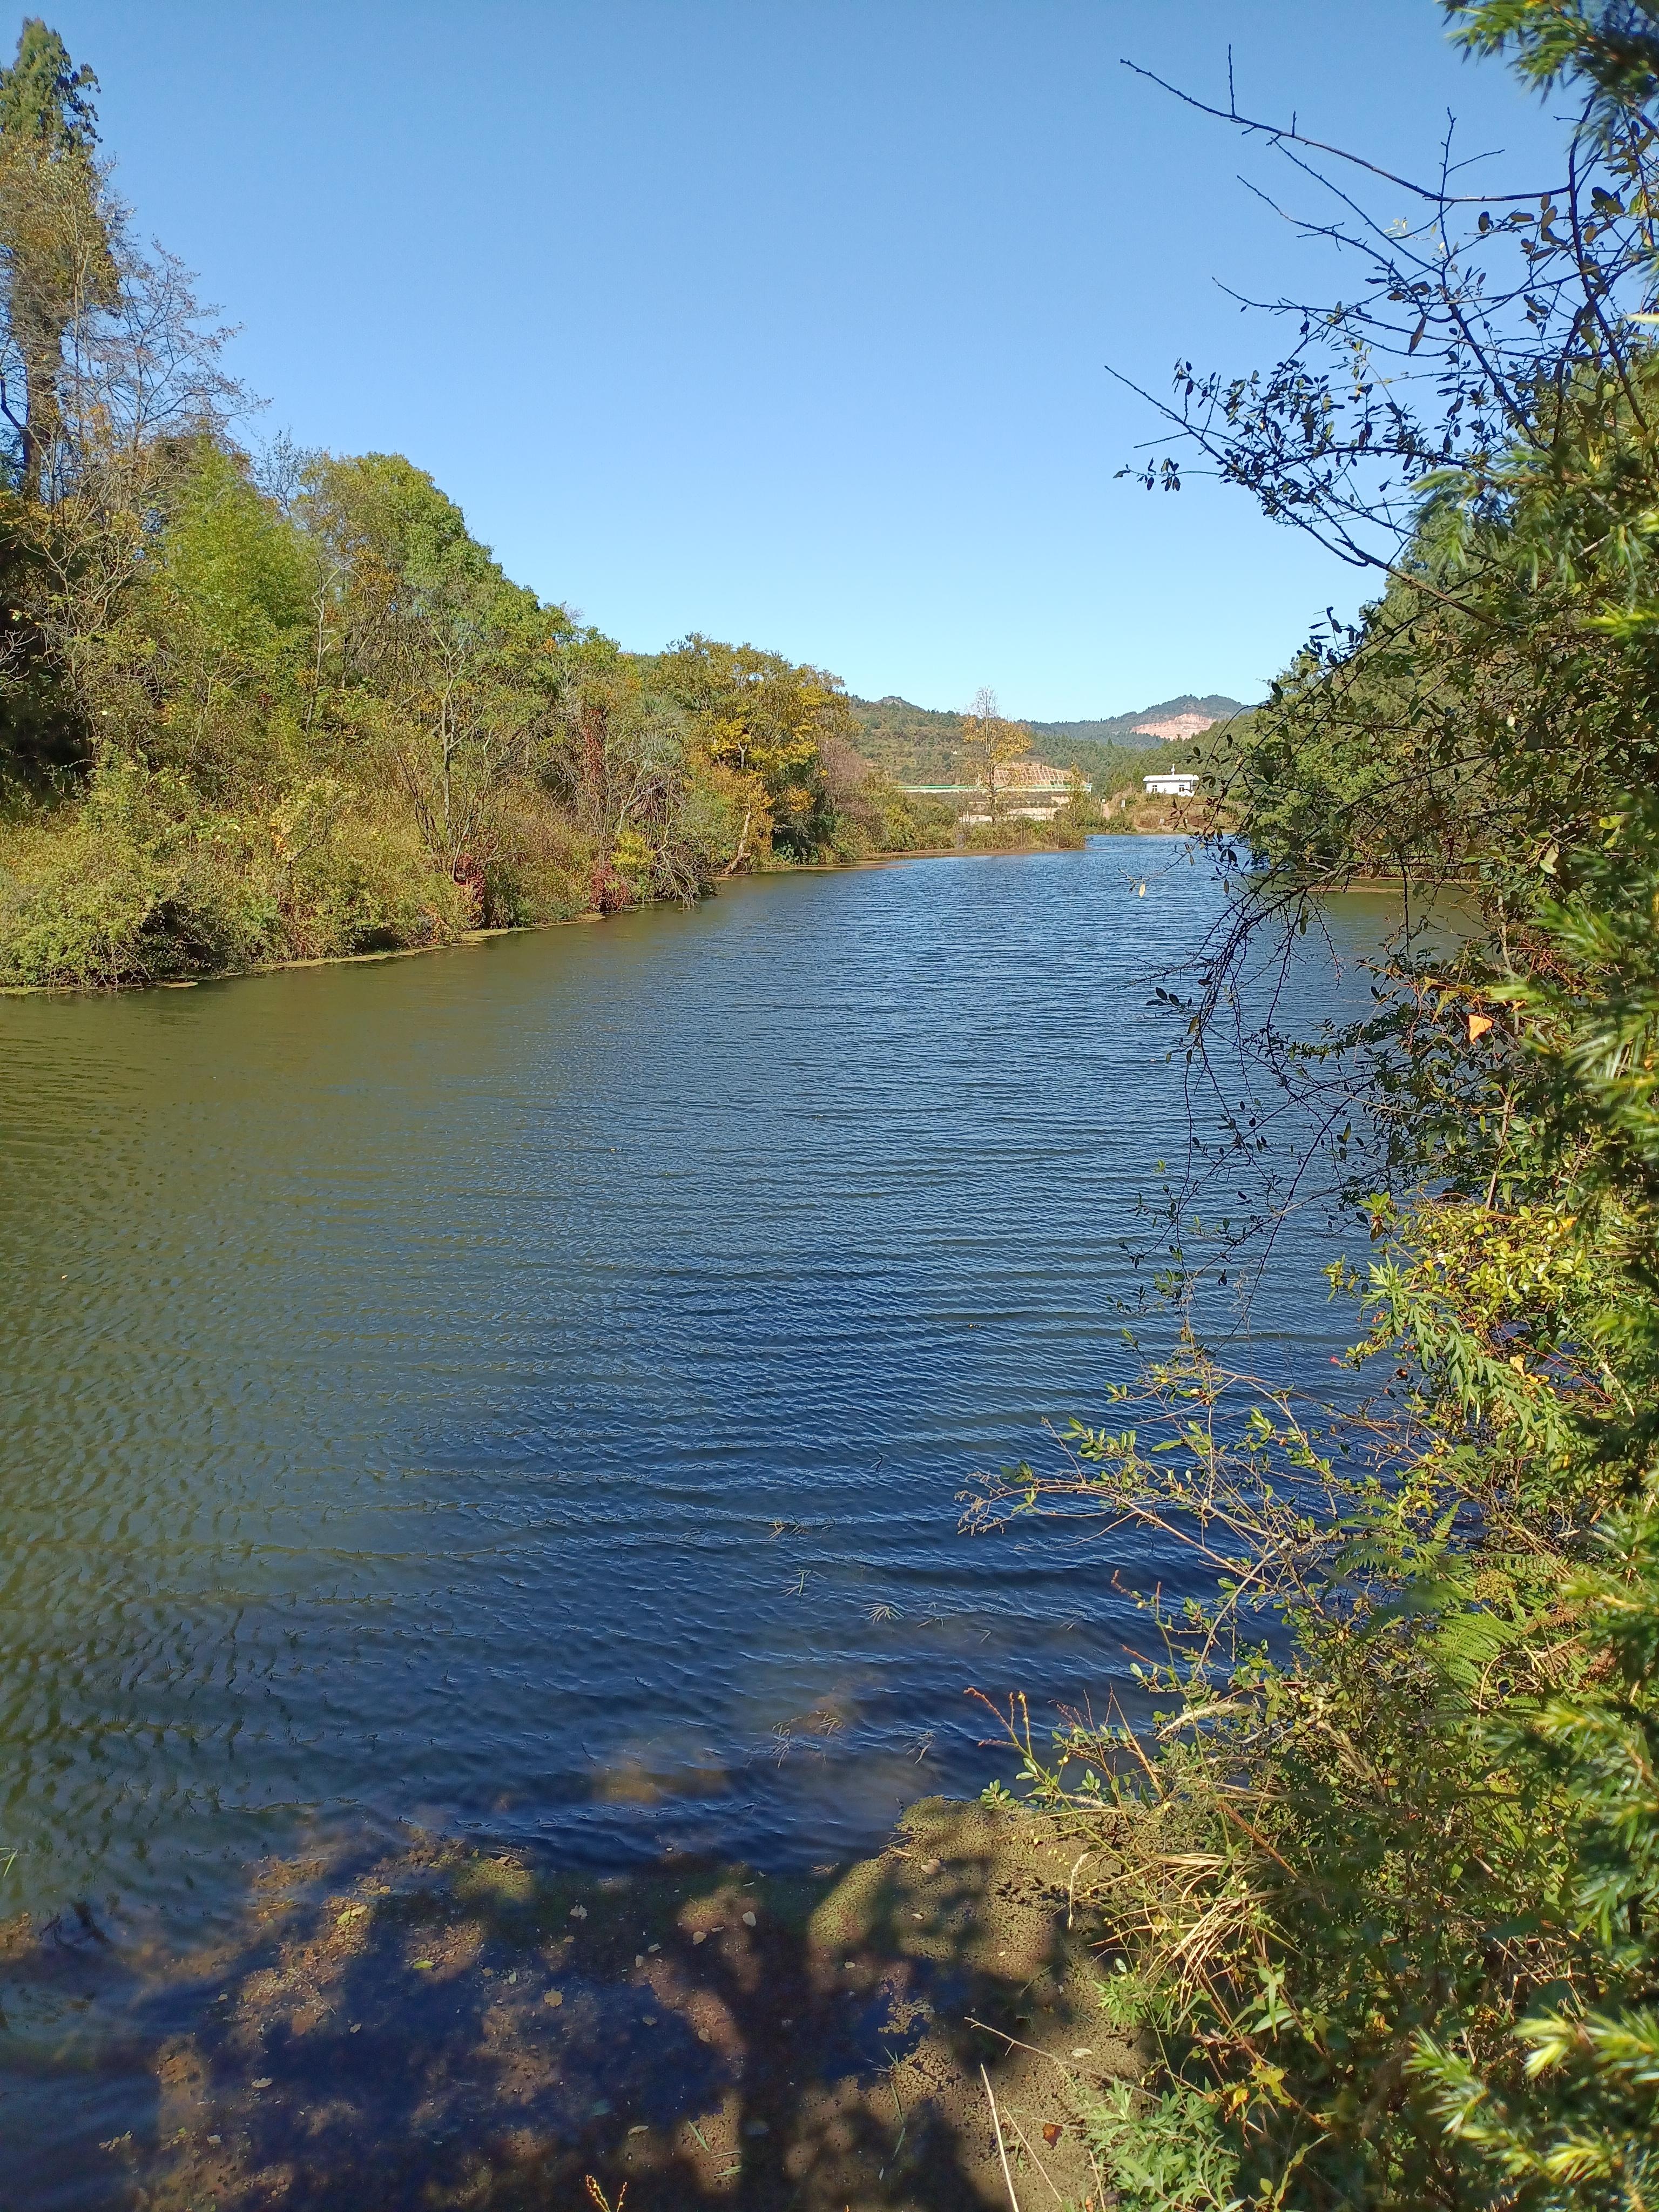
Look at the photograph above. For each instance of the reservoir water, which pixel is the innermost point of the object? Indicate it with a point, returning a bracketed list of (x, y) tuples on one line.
[(525, 1392)]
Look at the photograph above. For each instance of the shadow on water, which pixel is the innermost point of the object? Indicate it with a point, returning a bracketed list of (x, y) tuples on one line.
[(453, 2027)]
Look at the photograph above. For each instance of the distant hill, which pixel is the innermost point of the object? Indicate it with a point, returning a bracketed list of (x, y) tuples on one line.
[(915, 745), (1119, 729), (923, 745)]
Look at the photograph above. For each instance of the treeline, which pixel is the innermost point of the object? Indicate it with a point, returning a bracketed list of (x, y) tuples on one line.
[(1380, 1885), (261, 709)]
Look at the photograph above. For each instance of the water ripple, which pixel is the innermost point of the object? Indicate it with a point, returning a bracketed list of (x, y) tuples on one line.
[(528, 1388)]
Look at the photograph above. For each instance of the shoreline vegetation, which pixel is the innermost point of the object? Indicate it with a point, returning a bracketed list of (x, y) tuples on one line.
[(1177, 822), (1013, 849), (1378, 1885), (486, 936)]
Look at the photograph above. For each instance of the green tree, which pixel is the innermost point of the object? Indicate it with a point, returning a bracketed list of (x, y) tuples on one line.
[(427, 653), (252, 710), (57, 259), (990, 745), (196, 670), (764, 720)]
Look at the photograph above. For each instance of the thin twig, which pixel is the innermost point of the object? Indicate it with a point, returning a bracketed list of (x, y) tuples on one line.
[(1002, 2152), (1025, 2145), (972, 2022), (1436, 196), (1071, 1887), (904, 2117)]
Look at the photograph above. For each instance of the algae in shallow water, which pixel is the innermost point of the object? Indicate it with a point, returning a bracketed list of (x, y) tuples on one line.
[(466, 2029)]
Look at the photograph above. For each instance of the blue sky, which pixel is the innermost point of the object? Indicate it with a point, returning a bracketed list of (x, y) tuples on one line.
[(785, 320)]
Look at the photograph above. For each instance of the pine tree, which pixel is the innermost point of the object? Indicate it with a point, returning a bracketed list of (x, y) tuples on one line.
[(57, 262)]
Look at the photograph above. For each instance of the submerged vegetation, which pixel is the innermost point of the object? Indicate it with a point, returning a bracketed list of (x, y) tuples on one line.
[(1382, 1879), (253, 710), (471, 2030)]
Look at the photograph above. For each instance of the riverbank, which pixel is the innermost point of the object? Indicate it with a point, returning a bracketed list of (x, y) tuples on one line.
[(460, 2025), (449, 944)]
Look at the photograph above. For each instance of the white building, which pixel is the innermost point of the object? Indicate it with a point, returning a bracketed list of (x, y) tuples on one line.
[(1171, 786)]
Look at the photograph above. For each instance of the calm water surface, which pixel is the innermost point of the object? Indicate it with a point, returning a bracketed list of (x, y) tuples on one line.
[(525, 1390)]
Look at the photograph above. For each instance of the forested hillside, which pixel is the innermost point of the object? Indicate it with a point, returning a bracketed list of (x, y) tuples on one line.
[(923, 745), (256, 708)]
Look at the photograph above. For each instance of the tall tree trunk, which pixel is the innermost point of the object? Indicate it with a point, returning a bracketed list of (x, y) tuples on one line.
[(40, 342), (739, 856), (595, 725)]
